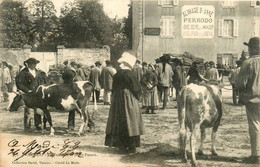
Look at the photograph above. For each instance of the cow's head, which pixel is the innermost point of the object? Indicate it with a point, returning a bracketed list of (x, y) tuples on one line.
[(16, 103)]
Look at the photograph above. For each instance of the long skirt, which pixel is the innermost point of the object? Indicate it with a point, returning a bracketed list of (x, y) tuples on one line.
[(125, 124), (150, 98)]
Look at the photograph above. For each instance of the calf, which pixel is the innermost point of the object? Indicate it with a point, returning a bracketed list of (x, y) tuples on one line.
[(198, 107), (64, 97)]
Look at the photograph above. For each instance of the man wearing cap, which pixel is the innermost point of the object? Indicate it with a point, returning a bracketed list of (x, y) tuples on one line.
[(212, 74), (165, 74), (7, 77), (232, 79), (106, 80), (27, 81), (249, 84), (137, 70), (95, 79)]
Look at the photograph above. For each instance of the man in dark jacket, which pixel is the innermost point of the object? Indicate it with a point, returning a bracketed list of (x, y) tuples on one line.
[(27, 81), (248, 83)]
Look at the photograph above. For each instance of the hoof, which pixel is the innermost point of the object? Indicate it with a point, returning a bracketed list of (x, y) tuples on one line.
[(184, 160), (194, 163), (51, 134), (214, 153), (200, 153)]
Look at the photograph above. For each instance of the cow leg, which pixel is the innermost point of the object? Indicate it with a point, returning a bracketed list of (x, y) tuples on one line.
[(48, 115), (213, 138), (183, 138), (203, 137), (84, 118), (192, 146), (44, 123)]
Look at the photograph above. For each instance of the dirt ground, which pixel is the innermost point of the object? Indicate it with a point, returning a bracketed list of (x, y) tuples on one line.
[(159, 144)]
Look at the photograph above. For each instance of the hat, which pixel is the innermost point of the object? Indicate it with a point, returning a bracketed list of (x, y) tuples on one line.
[(5, 63), (127, 58), (32, 61), (177, 61), (211, 63), (165, 58), (253, 42), (73, 63), (98, 63), (108, 62), (150, 65)]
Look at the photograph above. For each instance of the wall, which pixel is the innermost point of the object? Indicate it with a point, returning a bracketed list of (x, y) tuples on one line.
[(155, 46), (16, 56)]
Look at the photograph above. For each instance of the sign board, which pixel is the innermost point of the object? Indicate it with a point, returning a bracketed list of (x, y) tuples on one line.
[(198, 21), (152, 31)]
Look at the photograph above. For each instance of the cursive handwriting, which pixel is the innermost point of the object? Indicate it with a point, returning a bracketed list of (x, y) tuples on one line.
[(45, 148)]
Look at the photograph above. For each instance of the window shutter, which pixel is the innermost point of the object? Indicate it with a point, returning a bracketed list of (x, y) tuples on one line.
[(235, 28), (220, 27), (173, 27), (160, 2), (175, 2), (253, 3), (161, 27)]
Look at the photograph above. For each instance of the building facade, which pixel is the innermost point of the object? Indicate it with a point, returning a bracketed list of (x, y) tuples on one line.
[(213, 30)]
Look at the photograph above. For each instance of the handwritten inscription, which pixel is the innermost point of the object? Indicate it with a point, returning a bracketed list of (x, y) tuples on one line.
[(45, 148)]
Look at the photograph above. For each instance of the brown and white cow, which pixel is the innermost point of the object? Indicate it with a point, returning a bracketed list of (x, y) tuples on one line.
[(64, 97), (199, 106)]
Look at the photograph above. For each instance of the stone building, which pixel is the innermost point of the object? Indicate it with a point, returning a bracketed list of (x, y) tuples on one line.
[(213, 30)]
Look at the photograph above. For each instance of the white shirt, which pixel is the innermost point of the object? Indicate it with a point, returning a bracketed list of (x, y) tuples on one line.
[(33, 72)]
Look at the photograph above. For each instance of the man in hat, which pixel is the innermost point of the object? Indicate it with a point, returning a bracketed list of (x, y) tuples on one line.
[(212, 74), (232, 79), (165, 74), (7, 77), (95, 79), (27, 81), (106, 80), (137, 70), (249, 84)]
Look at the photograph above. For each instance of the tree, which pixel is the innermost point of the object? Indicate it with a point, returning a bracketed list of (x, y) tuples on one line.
[(15, 25), (45, 25), (128, 25), (85, 25)]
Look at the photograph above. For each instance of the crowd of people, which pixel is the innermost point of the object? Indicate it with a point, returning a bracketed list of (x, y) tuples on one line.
[(146, 84)]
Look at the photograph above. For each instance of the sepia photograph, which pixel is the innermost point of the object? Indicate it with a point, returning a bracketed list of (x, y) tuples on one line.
[(129, 83)]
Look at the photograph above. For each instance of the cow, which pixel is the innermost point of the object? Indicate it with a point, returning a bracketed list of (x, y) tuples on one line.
[(199, 106), (64, 97)]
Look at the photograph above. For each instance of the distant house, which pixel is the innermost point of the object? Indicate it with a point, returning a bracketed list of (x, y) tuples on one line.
[(213, 30)]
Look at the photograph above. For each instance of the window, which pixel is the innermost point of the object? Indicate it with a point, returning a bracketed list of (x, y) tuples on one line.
[(228, 4), (167, 26), (228, 28), (255, 4), (256, 25), (168, 3), (228, 59)]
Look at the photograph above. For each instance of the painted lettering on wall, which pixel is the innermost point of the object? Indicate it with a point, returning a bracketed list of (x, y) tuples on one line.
[(198, 21)]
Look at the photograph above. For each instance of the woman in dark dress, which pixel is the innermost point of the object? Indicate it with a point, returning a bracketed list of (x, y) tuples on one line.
[(150, 95), (125, 124)]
